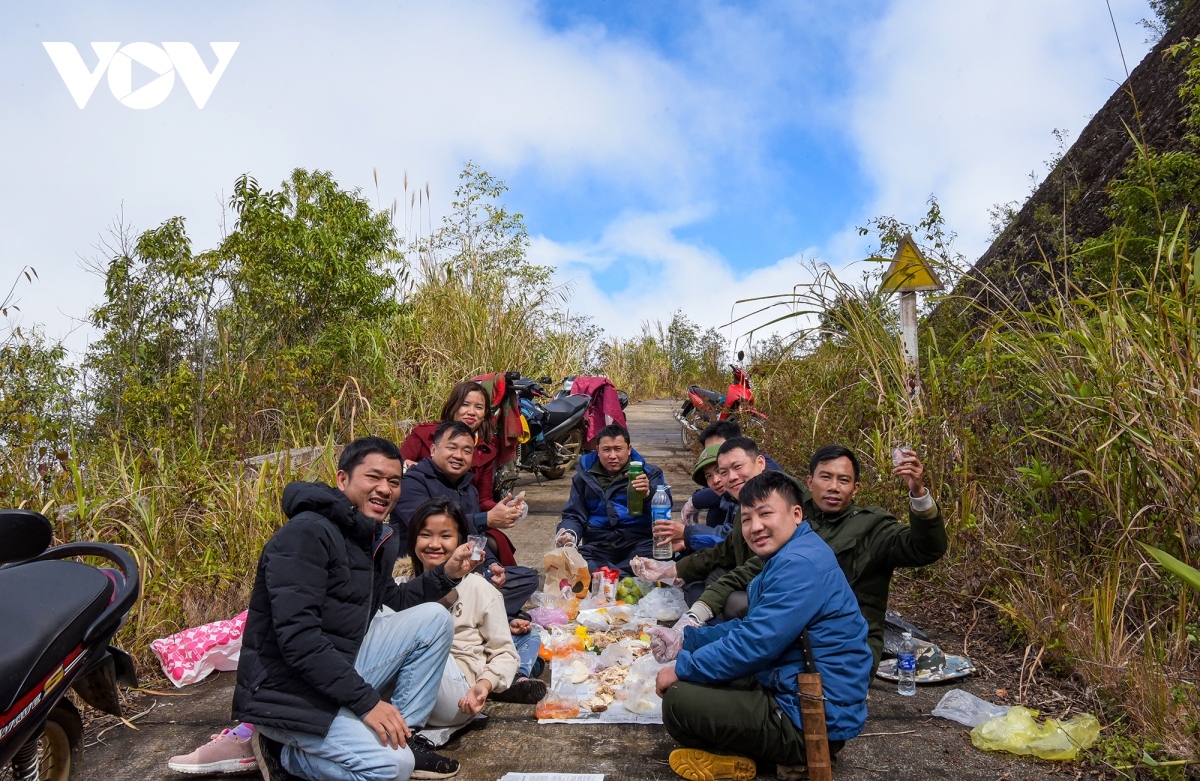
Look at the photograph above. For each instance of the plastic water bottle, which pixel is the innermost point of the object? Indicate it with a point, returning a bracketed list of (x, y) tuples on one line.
[(660, 510), (906, 667)]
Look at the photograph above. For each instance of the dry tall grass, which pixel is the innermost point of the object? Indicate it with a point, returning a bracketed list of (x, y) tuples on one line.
[(1054, 439)]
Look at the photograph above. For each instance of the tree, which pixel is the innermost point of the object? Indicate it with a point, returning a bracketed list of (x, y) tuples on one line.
[(1166, 14), (306, 258), (480, 241), (264, 321)]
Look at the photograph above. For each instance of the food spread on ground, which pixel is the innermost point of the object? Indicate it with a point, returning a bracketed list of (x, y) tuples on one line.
[(600, 662)]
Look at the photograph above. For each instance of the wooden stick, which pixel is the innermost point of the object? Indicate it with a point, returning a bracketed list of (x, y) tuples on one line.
[(812, 717)]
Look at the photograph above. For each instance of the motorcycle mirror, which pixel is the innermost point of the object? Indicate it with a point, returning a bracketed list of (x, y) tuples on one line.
[(741, 355), (546, 380), (23, 535)]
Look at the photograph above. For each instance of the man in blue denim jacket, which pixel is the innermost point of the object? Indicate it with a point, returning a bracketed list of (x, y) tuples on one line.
[(733, 687)]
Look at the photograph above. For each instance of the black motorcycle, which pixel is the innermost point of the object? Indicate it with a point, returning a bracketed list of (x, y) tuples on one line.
[(58, 618), (557, 427)]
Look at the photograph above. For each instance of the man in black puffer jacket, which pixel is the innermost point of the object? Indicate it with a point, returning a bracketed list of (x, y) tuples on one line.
[(316, 651)]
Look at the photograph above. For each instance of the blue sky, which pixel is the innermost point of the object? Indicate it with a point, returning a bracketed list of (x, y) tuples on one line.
[(670, 155)]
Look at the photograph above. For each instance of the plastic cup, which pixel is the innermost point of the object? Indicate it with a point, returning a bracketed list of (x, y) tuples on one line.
[(478, 543), (898, 454)]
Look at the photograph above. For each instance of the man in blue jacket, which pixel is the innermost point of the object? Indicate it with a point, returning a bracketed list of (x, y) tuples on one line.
[(733, 687), (596, 517)]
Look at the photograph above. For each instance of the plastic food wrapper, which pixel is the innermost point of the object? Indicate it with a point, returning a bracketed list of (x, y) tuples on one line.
[(604, 584), (564, 642), (966, 708), (575, 666), (595, 619), (619, 615), (592, 602), (557, 705), (1019, 732), (566, 570), (639, 687), (616, 655), (189, 656), (662, 604)]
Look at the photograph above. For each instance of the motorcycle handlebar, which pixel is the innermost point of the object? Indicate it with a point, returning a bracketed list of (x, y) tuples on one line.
[(128, 592)]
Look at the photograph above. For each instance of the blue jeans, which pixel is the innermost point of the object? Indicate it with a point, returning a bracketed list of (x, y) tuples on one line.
[(405, 650), (528, 646)]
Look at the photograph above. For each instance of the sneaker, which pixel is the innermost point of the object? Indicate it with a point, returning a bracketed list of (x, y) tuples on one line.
[(696, 765), (266, 751), (430, 764), (225, 753), (528, 691), (538, 667)]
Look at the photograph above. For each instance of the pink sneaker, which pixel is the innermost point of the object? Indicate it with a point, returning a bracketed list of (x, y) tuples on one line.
[(225, 753)]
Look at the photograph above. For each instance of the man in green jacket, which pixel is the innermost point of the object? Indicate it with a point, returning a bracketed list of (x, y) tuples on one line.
[(738, 459), (869, 542)]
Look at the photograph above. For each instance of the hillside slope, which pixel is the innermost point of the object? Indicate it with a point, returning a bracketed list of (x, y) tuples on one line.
[(1072, 199)]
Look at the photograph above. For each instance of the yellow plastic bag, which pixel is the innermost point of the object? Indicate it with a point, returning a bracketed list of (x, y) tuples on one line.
[(1019, 732)]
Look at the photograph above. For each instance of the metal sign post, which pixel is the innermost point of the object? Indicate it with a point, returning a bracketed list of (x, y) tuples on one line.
[(908, 274)]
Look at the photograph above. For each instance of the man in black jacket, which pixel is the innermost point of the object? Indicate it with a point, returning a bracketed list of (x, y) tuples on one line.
[(317, 652), (446, 474)]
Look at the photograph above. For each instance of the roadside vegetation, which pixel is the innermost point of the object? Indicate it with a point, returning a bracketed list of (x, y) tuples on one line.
[(318, 317), (1062, 432)]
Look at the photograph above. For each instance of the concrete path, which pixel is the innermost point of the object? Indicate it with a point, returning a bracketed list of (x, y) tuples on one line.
[(901, 740)]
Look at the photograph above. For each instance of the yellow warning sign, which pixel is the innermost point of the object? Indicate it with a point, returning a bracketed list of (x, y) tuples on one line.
[(909, 270)]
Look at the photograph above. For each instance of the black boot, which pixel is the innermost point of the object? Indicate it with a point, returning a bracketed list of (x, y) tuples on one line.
[(266, 751), (430, 764), (528, 691)]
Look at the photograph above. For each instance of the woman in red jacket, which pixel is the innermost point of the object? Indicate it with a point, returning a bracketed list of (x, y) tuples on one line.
[(469, 404)]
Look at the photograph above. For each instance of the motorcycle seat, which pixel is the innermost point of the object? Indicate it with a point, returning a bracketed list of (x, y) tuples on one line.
[(48, 606), (558, 410), (705, 393)]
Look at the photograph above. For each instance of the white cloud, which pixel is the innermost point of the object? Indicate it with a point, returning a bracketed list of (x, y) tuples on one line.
[(664, 275), (417, 87), (959, 98), (946, 97)]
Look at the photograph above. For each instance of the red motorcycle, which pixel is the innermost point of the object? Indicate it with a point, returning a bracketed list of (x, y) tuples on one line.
[(702, 406)]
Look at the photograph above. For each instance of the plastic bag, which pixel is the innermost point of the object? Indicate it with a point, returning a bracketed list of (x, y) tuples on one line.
[(566, 571), (548, 616), (595, 619), (640, 687), (573, 667), (1019, 732), (616, 655), (619, 615), (190, 655), (966, 708), (564, 642), (557, 705), (546, 599), (662, 604)]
